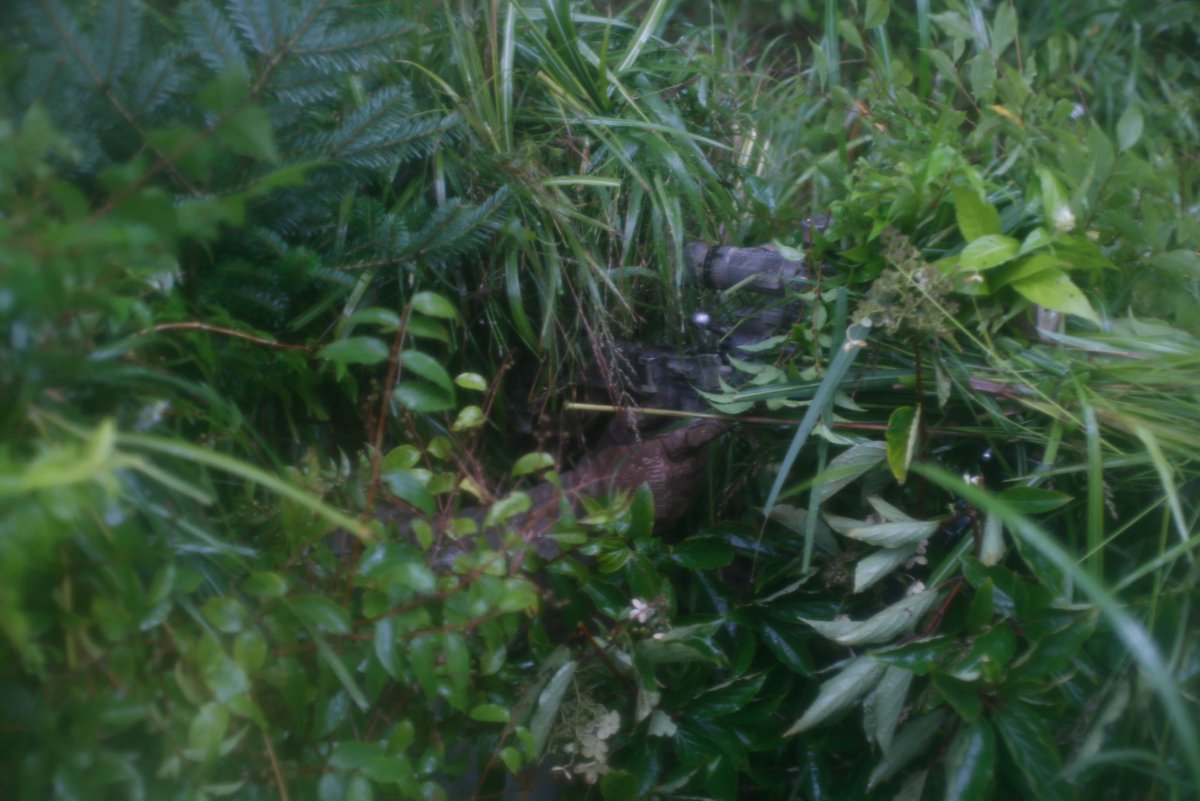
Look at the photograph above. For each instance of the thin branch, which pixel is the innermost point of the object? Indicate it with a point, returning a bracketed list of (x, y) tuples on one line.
[(229, 332), (283, 793)]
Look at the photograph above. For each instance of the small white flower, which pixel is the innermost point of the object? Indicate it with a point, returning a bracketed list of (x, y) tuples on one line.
[(1064, 219), (917, 588), (641, 611), (975, 278), (851, 344)]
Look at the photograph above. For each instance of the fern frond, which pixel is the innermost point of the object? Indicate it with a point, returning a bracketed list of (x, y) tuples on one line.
[(212, 37), (352, 48), (383, 132), (117, 33)]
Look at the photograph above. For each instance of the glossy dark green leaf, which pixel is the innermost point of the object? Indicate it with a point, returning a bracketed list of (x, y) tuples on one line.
[(356, 350), (207, 731), (902, 434), (417, 396), (961, 695), (854, 681), (427, 367), (1031, 745), (1053, 651), (788, 648), (702, 553), (987, 655), (322, 613), (432, 304), (1033, 500), (909, 743), (266, 585), (385, 646), (971, 762), (225, 614), (222, 675), (619, 785), (921, 657), (982, 608), (409, 488)]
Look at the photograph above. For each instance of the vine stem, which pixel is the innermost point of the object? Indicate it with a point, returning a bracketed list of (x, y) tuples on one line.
[(229, 332)]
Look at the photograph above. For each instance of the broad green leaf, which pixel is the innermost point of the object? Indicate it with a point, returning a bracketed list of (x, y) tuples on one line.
[(1054, 200), (532, 463), (920, 657), (224, 677), (401, 457), (885, 535), (991, 545), (983, 607), (903, 434), (1033, 750), (408, 487), (420, 397), (468, 417), (321, 613), (1033, 500), (359, 789), (355, 350), (1053, 290), (385, 646), (225, 614), (548, 703), (472, 381), (971, 762), (976, 217), (266, 585), (987, 252), (428, 368), (840, 693), (870, 569), (988, 655), (876, 13), (962, 696), (513, 504), (386, 319), (432, 304), (250, 651), (849, 465), (909, 744), (1025, 268), (618, 785), (896, 619), (702, 553), (1129, 127), (208, 731), (882, 709), (490, 713)]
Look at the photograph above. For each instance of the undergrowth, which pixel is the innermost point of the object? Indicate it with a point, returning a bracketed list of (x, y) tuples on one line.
[(293, 298)]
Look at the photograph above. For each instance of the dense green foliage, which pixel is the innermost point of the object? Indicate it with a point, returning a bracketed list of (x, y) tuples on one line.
[(286, 287)]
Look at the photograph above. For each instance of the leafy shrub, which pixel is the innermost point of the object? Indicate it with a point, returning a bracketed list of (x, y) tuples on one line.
[(266, 262)]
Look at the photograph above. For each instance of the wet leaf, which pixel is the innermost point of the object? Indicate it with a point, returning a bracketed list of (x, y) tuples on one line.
[(976, 217), (896, 619), (840, 693), (420, 397), (355, 350), (971, 762), (1054, 290), (987, 252), (432, 304), (903, 431)]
